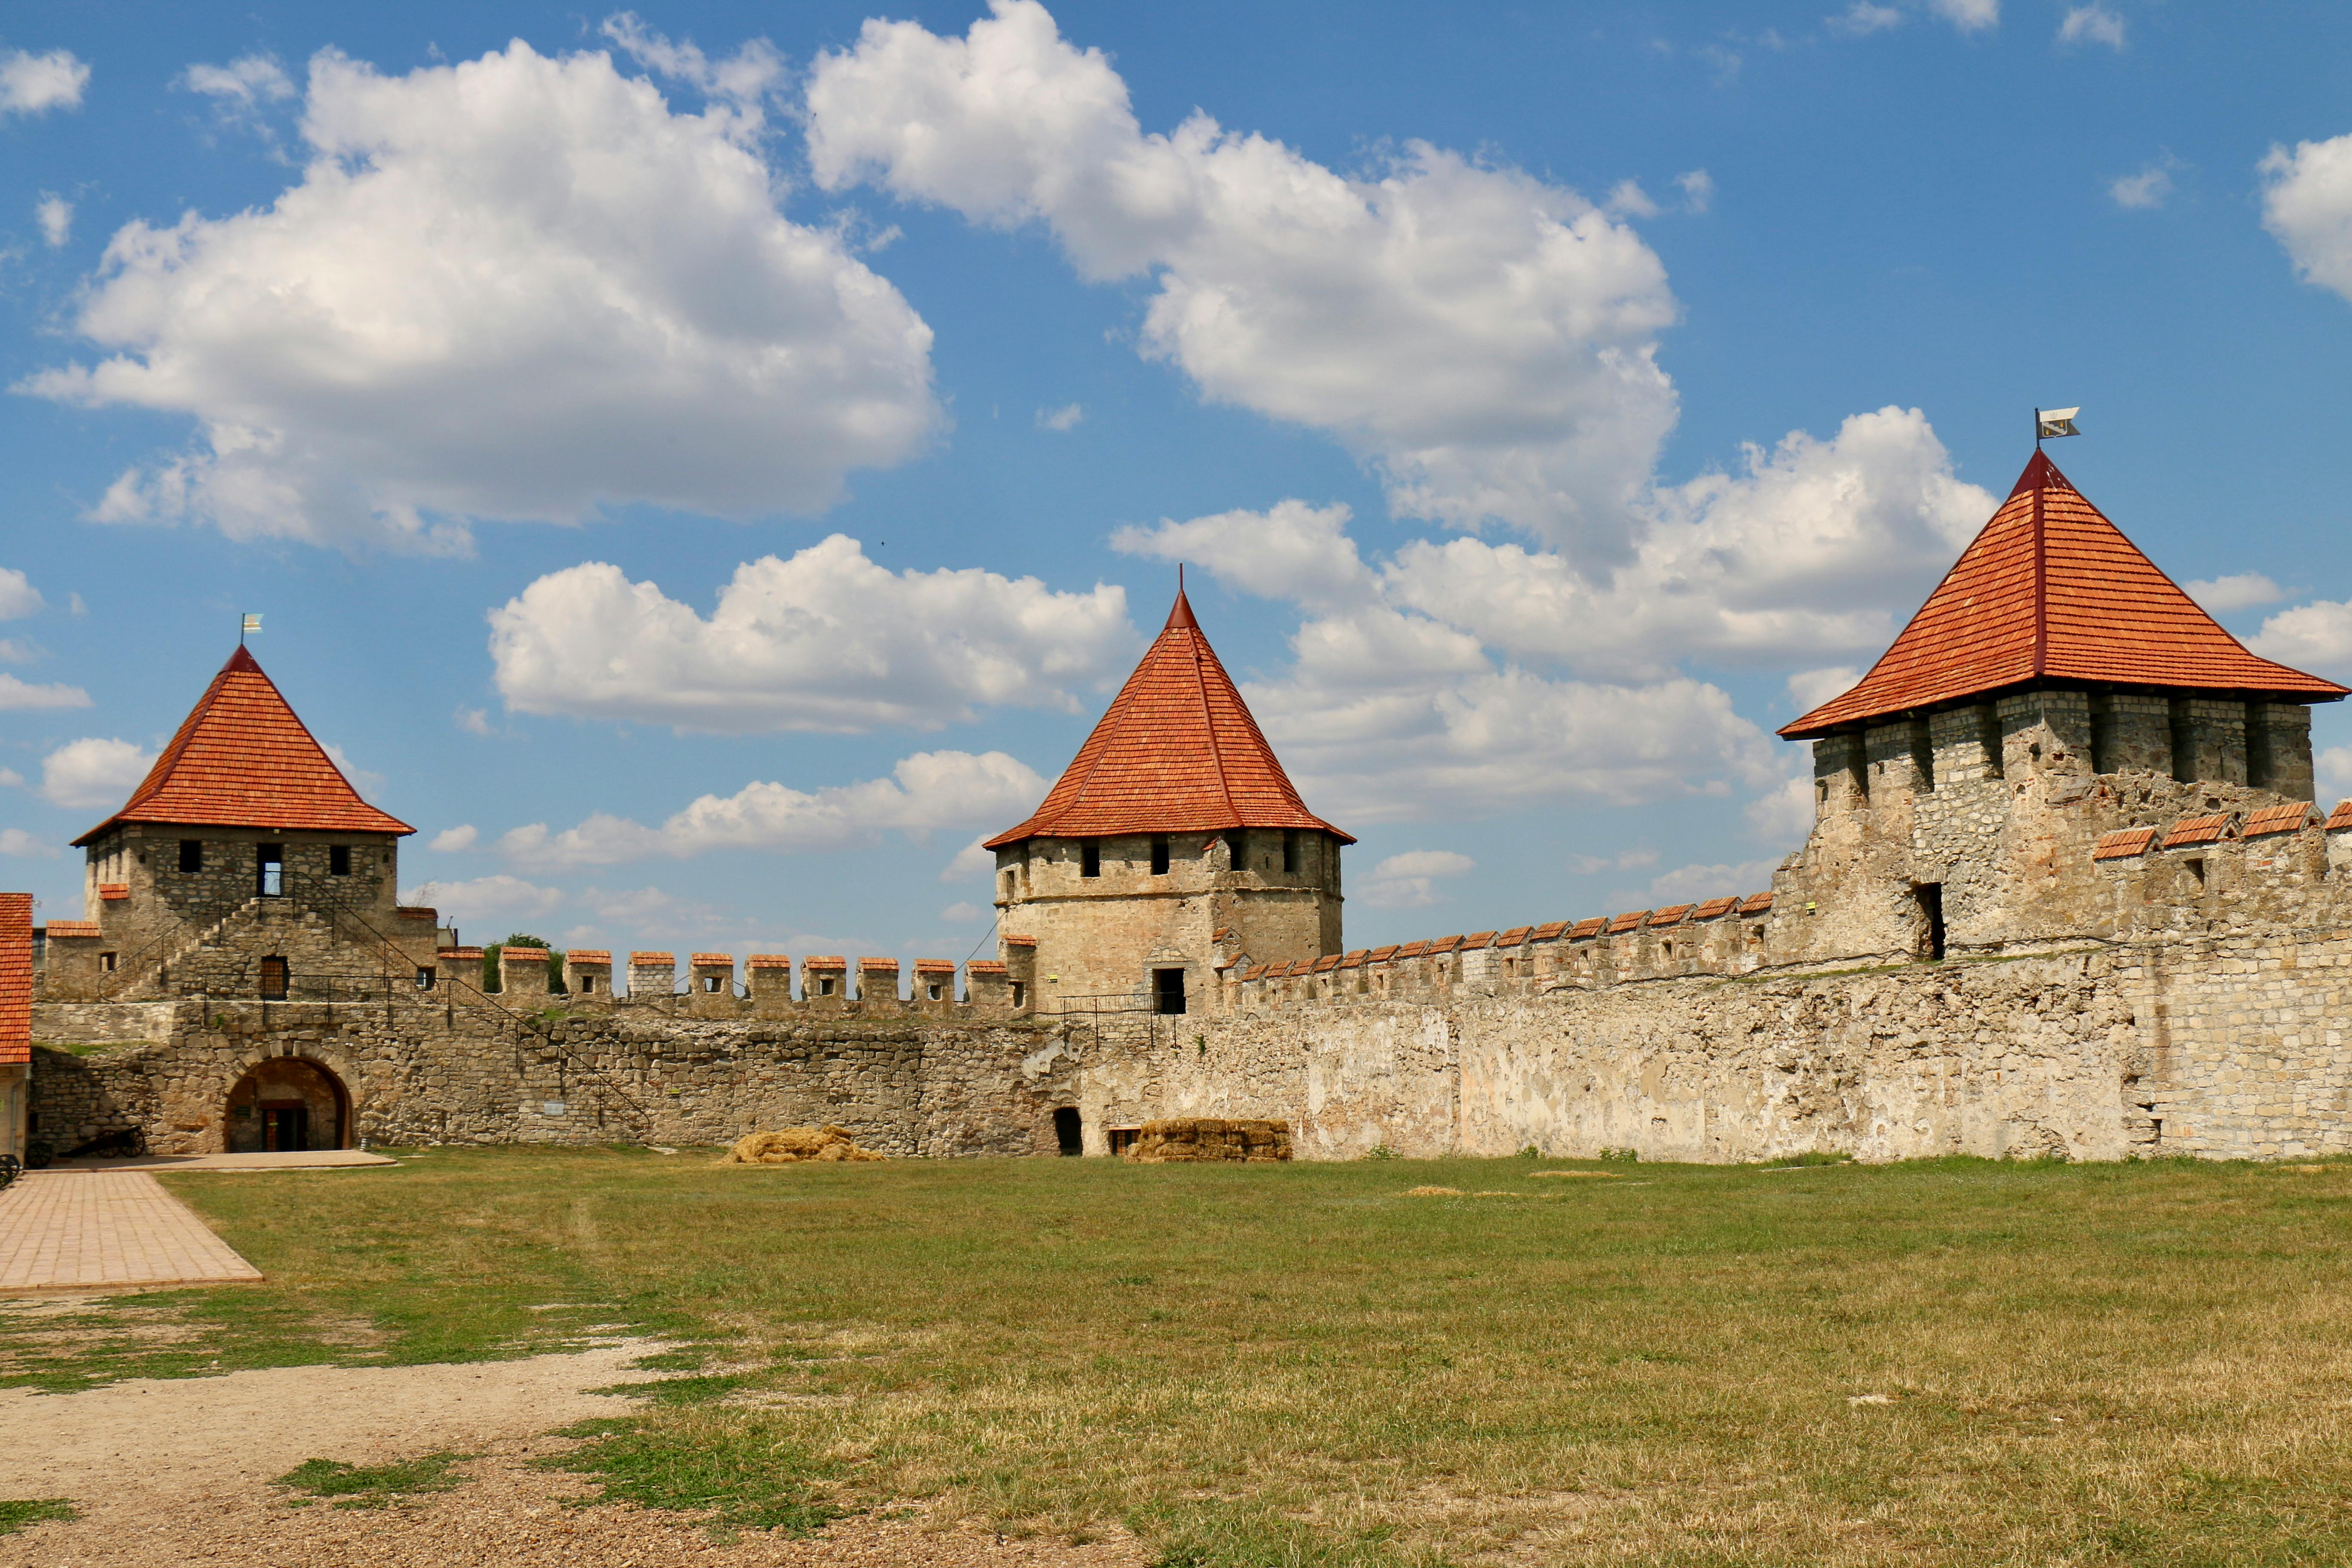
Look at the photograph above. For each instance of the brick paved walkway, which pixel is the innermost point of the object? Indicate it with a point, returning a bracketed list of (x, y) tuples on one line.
[(85, 1229)]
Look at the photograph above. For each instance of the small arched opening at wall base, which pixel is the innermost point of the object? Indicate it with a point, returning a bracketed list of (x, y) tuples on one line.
[(286, 1105), (1069, 1131)]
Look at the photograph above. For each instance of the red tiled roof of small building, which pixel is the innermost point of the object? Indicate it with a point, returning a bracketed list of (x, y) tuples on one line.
[(1021, 941), (71, 929), (934, 966), (523, 949), (1352, 959), (1755, 903), (1671, 915), (984, 966), (769, 961), (415, 911), (1713, 909), (877, 963), (2196, 830), (242, 759), (1628, 922), (1259, 973), (1549, 930), (1221, 933), (2051, 590), (588, 955), (15, 978), (2341, 818), (1413, 950), (1381, 954), (2291, 818), (667, 958), (825, 961), (1513, 937), (2122, 844), (710, 959), (1586, 930), (1326, 963), (1444, 944), (459, 956), (1177, 752), (1478, 939), (112, 891)]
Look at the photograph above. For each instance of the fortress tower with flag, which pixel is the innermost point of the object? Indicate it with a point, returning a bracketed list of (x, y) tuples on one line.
[(2066, 892)]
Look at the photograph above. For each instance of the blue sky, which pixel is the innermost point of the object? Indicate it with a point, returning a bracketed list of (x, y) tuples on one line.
[(706, 466)]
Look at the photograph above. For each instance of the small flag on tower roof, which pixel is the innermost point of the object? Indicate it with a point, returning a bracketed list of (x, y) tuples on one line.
[(252, 623), (2051, 423)]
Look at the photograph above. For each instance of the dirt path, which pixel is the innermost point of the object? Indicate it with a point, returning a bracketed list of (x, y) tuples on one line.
[(173, 1472)]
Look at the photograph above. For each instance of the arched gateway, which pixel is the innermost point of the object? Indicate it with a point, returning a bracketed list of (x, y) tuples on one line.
[(286, 1104)]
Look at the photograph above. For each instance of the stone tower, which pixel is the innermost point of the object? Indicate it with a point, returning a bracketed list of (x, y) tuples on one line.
[(2056, 686), (245, 840), (1174, 843)]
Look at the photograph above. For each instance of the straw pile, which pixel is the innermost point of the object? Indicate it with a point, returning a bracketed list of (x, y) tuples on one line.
[(792, 1145), (1192, 1138)]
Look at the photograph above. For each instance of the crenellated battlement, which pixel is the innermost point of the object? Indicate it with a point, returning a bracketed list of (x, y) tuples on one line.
[(1723, 935)]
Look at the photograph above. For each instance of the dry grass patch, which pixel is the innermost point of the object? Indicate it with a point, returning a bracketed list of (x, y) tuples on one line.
[(1949, 1362)]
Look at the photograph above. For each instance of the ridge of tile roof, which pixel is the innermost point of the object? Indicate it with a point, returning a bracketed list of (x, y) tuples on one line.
[(2122, 844), (242, 759), (2051, 590), (1176, 751), (2289, 818)]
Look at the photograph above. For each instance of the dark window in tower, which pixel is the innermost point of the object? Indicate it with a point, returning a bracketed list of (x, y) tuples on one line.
[(1167, 988), (1290, 851), (1090, 858), (1159, 854), (192, 855), (1237, 844), (338, 860), (270, 870)]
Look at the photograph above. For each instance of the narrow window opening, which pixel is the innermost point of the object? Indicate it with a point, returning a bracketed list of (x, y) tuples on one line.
[(1923, 759), (825, 986), (273, 979), (1007, 880), (270, 870), (2195, 879), (1989, 734), (2184, 744), (1020, 995), (1931, 910), (1159, 854), (1290, 851), (711, 984), (338, 860), (1069, 1131), (423, 979), (1090, 858), (1237, 842), (936, 992), (192, 855), (1167, 988), (106, 961)]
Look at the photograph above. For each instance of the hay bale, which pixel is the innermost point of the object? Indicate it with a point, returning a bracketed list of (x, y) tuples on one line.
[(1184, 1140), (1435, 1193), (792, 1145), (1571, 1175)]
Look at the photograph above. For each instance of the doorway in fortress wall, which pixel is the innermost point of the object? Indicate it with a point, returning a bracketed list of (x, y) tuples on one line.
[(285, 1105)]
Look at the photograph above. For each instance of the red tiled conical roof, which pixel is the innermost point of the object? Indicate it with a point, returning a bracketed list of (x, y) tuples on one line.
[(1178, 753), (2051, 590), (242, 759)]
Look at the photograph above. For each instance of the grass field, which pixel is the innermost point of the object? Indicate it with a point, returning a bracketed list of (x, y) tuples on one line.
[(1937, 1363)]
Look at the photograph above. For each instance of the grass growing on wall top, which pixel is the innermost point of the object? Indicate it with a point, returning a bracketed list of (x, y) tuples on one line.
[(1953, 1361)]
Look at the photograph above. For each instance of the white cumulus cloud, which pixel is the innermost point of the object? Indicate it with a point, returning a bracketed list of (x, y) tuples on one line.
[(1485, 338), (243, 84), (55, 215), (516, 288), (826, 640), (1862, 19), (1689, 884), (1407, 881), (35, 84), (2092, 23), (19, 695), (1062, 420), (450, 840), (926, 792), (18, 597), (1809, 689), (92, 773), (974, 859), (2240, 590), (16, 841), (2307, 207), (485, 898), (2315, 637), (2151, 187), (1968, 16)]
